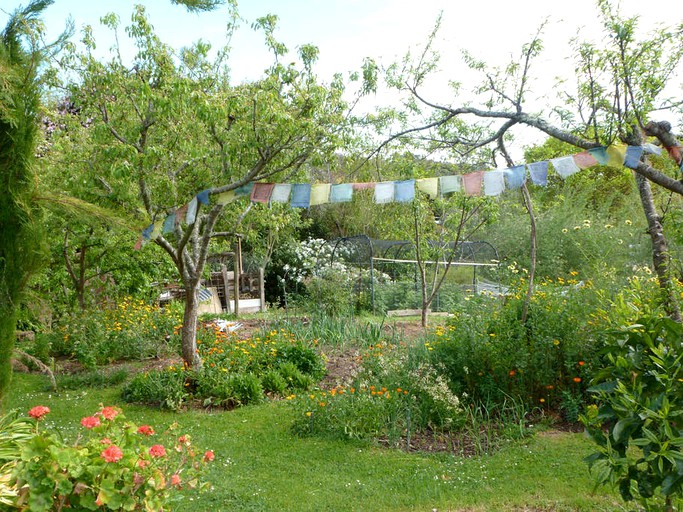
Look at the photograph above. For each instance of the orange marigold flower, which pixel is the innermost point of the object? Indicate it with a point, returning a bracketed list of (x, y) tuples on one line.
[(90, 422), (577, 379), (581, 363), (145, 430), (38, 412), (512, 373), (157, 451), (542, 400), (112, 454), (209, 456), (109, 413)]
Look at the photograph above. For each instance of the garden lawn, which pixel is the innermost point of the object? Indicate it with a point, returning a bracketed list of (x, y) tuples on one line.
[(259, 465)]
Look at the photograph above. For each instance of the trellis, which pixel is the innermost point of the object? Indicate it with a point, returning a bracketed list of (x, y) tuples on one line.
[(370, 258)]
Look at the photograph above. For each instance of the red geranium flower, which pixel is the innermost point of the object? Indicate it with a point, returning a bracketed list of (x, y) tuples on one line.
[(38, 412), (209, 455), (157, 451), (175, 479), (145, 430), (109, 413), (112, 454), (90, 422)]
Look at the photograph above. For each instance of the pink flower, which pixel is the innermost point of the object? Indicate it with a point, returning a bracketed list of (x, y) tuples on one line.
[(157, 451), (109, 413), (183, 439), (105, 441), (142, 463), (38, 412), (145, 430), (90, 422), (112, 454), (175, 479), (209, 455)]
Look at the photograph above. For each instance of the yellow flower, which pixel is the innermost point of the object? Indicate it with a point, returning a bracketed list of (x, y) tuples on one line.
[(309, 413)]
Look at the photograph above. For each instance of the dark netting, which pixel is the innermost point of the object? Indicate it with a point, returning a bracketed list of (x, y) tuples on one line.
[(385, 273)]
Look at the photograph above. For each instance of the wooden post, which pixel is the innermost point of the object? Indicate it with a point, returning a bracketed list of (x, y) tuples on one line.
[(238, 271), (226, 287), (262, 291)]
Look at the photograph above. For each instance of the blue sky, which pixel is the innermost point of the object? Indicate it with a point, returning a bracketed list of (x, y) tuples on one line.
[(346, 31)]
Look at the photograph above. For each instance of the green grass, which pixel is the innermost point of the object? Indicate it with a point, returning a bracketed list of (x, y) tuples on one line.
[(260, 466)]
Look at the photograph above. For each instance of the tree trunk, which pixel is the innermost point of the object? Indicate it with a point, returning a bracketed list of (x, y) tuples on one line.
[(191, 358), (660, 249)]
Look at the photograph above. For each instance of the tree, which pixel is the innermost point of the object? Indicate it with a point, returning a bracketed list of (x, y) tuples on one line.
[(154, 133), (620, 86), (21, 237)]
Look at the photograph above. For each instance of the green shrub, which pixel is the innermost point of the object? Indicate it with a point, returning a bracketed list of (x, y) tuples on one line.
[(636, 423), (165, 388), (273, 382), (294, 377), (306, 359), (91, 379)]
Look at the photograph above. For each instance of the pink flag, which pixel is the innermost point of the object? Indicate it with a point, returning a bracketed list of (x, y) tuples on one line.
[(261, 192), (364, 186), (584, 160), (472, 183)]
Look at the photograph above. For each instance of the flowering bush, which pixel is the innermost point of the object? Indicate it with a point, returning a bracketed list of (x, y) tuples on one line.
[(109, 466)]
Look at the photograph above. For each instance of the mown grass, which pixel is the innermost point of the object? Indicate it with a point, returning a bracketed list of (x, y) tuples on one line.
[(260, 466)]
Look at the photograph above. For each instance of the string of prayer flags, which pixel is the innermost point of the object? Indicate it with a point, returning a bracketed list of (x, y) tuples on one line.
[(515, 176), (564, 166), (342, 193), (429, 186), (301, 195), (404, 191), (494, 183), (472, 182), (538, 171), (320, 194), (384, 192), (281, 193), (450, 184), (261, 192)]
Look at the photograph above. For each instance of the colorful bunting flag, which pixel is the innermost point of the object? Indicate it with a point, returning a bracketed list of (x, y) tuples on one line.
[(384, 192), (515, 176), (404, 191), (244, 190), (494, 183), (584, 160), (156, 230), (538, 171), (633, 154), (652, 149), (191, 211), (281, 193), (261, 192), (225, 197), (320, 194), (616, 153), (472, 182), (429, 186), (364, 186), (450, 184), (565, 166), (169, 224), (600, 154), (203, 197), (301, 195), (342, 193)]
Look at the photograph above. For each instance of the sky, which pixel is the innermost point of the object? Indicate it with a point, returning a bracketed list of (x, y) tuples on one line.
[(347, 31)]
